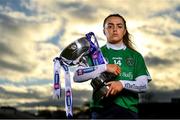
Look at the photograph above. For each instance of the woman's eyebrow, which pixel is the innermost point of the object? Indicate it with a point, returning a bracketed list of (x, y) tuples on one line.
[(116, 24)]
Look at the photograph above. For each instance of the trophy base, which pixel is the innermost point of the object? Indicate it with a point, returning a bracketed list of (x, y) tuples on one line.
[(100, 94), (99, 85)]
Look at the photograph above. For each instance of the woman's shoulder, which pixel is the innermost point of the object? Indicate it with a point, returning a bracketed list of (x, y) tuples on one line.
[(103, 47), (134, 52)]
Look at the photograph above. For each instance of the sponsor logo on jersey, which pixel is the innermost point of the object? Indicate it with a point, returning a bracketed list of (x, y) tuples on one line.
[(128, 75), (133, 86), (117, 60)]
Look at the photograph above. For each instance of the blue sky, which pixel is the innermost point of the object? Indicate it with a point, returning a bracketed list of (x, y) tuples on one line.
[(33, 32)]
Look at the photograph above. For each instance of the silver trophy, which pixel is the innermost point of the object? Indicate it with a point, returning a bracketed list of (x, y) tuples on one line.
[(73, 54), (77, 52)]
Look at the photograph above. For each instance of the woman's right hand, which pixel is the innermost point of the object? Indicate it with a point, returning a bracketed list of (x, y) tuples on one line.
[(113, 68)]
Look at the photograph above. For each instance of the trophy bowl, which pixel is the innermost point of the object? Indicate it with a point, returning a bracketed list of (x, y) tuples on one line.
[(72, 54)]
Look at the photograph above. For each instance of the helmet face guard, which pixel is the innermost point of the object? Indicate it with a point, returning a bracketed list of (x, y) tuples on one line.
[(72, 54)]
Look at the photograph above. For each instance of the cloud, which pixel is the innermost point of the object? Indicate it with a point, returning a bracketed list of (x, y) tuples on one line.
[(55, 39), (176, 33), (33, 32), (79, 10), (172, 12), (79, 98), (16, 67), (159, 95), (154, 61), (19, 29), (32, 97)]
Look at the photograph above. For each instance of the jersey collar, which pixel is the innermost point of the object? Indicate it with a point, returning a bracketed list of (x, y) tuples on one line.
[(120, 46)]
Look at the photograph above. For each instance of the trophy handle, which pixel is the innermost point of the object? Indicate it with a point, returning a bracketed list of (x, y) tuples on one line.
[(89, 35), (95, 51)]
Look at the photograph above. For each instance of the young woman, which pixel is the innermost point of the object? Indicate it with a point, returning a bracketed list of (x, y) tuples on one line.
[(127, 64)]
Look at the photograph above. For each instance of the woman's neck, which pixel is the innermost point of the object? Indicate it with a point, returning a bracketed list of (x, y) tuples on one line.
[(118, 46)]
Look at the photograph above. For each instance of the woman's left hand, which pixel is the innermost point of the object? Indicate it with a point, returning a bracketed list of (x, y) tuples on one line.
[(114, 88)]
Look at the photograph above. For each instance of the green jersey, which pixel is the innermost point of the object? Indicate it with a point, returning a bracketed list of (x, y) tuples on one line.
[(132, 65)]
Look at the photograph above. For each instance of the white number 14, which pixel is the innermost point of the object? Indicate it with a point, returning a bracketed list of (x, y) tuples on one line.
[(117, 62)]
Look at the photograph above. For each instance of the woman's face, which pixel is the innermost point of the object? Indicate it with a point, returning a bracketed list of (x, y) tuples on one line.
[(114, 30)]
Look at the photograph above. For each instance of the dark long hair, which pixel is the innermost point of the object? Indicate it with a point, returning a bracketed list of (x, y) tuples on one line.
[(126, 38)]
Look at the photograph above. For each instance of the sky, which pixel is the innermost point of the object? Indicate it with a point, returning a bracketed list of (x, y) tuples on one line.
[(33, 32)]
